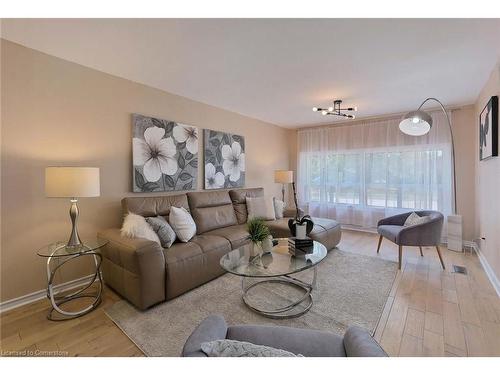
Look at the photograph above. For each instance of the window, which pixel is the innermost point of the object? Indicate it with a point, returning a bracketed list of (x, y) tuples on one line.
[(404, 179), (359, 173)]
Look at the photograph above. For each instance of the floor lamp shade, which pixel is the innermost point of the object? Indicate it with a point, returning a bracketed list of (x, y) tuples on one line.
[(283, 177), (72, 182)]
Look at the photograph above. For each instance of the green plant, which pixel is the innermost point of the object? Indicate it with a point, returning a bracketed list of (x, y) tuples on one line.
[(258, 230)]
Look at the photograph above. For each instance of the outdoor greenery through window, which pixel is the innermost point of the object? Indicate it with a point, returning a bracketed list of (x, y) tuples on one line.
[(406, 178)]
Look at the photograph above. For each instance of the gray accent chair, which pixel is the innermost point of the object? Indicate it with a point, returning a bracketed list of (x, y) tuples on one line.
[(426, 234), (356, 342)]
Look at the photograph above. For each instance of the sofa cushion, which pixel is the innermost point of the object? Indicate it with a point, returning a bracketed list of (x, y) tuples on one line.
[(238, 197), (154, 206), (237, 235), (212, 243), (189, 266), (211, 210), (318, 344), (180, 251)]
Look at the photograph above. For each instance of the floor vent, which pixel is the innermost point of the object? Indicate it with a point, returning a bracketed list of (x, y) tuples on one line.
[(460, 269)]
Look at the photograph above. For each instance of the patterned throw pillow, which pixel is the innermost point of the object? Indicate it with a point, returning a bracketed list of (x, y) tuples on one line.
[(414, 219), (163, 229), (233, 348)]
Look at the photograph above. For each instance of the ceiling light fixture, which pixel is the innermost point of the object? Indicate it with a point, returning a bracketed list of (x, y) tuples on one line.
[(336, 110)]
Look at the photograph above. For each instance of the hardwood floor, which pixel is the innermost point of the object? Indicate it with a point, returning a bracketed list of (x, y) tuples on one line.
[(429, 312)]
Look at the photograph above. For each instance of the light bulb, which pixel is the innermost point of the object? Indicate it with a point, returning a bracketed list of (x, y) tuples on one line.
[(324, 112), (415, 120), (330, 109), (315, 109)]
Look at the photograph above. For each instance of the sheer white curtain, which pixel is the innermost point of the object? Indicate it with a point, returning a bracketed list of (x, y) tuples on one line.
[(359, 173)]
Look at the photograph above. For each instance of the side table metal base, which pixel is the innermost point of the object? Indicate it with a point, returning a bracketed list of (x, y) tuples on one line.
[(57, 300)]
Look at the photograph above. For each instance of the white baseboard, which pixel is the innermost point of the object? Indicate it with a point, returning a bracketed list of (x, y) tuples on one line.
[(41, 294), (487, 268)]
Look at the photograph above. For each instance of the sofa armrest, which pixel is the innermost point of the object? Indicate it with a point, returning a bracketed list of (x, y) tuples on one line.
[(359, 343), (213, 328), (134, 267)]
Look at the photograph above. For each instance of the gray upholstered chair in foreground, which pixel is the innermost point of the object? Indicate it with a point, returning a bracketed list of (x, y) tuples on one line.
[(425, 234), (356, 342)]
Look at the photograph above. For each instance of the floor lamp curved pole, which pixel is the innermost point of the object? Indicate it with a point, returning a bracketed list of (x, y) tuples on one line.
[(418, 123)]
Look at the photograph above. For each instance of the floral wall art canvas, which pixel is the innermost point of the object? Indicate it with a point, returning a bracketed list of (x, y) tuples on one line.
[(165, 155), (224, 160)]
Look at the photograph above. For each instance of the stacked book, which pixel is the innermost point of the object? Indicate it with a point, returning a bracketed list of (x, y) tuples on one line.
[(300, 247)]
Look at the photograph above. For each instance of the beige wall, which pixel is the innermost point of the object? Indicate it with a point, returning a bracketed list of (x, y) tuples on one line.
[(59, 113), (464, 129), (488, 185)]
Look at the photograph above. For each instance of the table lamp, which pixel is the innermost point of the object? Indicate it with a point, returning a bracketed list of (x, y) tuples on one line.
[(283, 177), (73, 183)]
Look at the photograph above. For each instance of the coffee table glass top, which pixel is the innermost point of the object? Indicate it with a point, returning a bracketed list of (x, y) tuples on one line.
[(59, 249), (278, 262)]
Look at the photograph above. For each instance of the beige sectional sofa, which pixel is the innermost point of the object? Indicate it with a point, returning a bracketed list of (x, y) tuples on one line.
[(145, 273)]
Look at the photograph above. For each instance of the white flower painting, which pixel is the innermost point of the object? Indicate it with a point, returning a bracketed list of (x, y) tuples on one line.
[(224, 160), (165, 155)]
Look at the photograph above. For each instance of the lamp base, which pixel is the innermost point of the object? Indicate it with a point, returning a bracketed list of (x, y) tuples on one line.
[(74, 239)]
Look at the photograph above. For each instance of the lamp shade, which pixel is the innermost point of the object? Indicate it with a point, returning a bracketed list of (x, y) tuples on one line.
[(283, 177), (72, 182), (416, 123)]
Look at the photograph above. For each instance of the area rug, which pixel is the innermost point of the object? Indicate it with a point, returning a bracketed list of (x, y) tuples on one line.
[(351, 290)]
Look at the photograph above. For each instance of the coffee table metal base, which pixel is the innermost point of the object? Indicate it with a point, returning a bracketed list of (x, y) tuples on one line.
[(293, 310)]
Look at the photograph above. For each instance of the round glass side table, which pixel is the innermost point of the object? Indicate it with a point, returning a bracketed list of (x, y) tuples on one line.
[(64, 254)]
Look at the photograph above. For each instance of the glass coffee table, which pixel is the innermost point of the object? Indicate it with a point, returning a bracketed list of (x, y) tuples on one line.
[(275, 270)]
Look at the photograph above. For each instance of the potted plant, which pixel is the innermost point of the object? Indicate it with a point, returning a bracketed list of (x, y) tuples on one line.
[(300, 227), (258, 231)]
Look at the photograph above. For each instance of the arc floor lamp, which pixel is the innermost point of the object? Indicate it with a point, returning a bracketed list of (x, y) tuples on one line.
[(418, 123)]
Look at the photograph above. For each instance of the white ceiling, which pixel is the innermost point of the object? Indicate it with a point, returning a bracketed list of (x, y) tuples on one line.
[(276, 70)]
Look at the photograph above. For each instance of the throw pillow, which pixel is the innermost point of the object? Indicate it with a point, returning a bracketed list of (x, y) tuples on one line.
[(136, 226), (279, 208), (182, 223), (163, 229), (233, 348), (262, 207), (414, 219)]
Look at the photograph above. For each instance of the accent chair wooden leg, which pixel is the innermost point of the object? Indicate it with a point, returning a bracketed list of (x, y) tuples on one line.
[(440, 257), (421, 253), (379, 242), (400, 256)]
